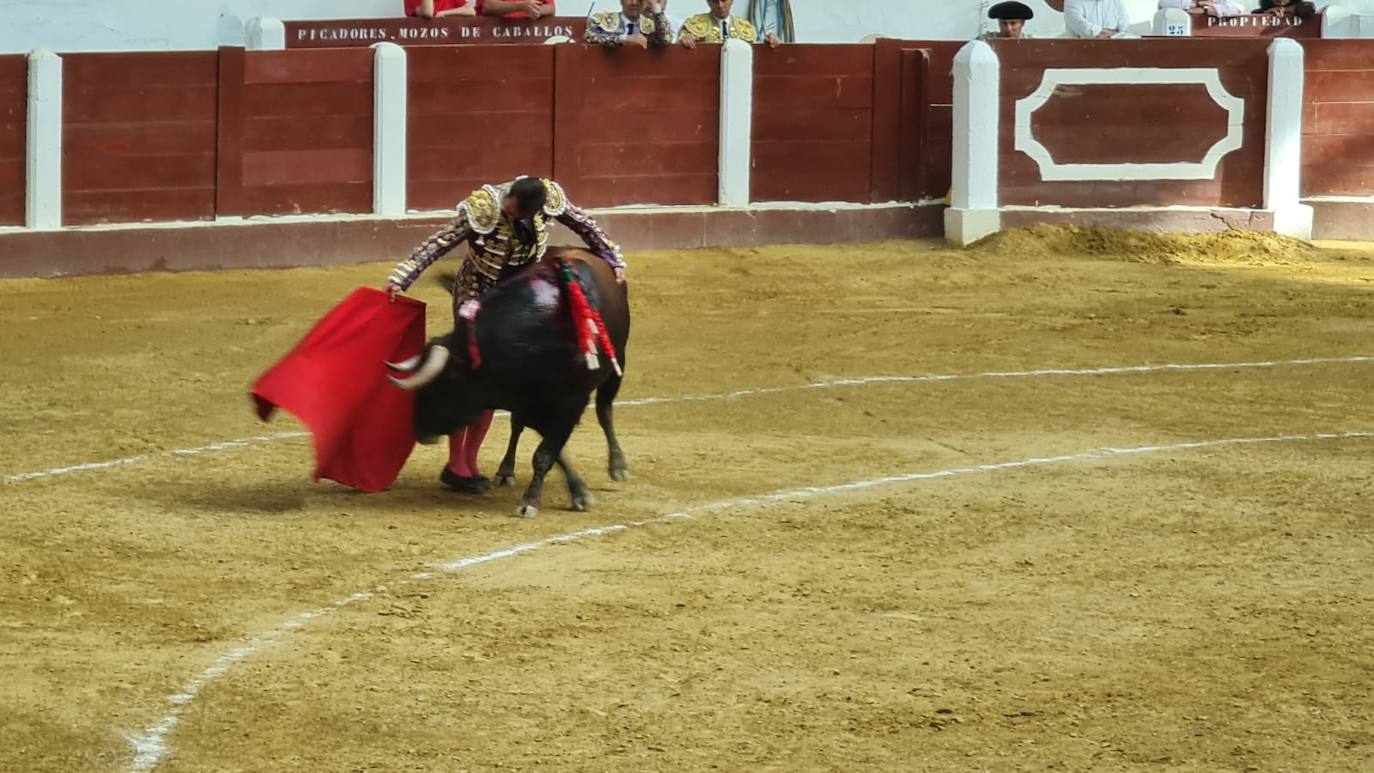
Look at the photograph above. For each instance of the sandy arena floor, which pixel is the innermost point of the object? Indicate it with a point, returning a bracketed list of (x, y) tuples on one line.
[(1182, 608)]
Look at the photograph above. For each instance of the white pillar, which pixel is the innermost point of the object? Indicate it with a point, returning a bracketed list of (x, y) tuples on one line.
[(1283, 141), (736, 121), (263, 33), (1172, 22), (973, 211), (43, 159), (389, 122)]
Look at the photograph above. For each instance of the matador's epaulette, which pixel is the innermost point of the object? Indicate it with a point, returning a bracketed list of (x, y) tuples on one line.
[(482, 209)]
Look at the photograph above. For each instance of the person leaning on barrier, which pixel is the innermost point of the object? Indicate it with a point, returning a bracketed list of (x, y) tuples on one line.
[(434, 9), (773, 18), (1011, 20), (1298, 8), (640, 23), (674, 24), (1095, 18), (719, 26), (1217, 9), (516, 9)]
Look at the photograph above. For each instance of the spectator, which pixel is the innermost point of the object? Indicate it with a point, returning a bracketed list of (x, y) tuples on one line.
[(434, 9), (1095, 18), (773, 18), (719, 25), (673, 22), (1217, 9), (1011, 19), (1298, 8), (516, 9), (639, 23)]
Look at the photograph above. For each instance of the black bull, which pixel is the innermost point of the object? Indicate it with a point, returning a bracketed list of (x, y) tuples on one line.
[(529, 365)]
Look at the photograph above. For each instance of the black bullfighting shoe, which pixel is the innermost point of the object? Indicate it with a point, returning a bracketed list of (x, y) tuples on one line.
[(475, 485)]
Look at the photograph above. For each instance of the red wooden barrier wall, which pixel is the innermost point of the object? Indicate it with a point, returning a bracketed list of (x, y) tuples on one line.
[(179, 136), (1123, 123), (1338, 118), (853, 123), (637, 127), (938, 117), (912, 119), (138, 137), (478, 114), (813, 123), (295, 131), (14, 98)]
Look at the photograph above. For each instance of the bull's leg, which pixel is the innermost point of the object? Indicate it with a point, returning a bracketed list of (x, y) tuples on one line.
[(605, 401), (582, 498), (546, 455), (505, 474)]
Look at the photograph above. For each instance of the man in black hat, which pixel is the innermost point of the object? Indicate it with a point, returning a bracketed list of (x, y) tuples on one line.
[(1011, 19)]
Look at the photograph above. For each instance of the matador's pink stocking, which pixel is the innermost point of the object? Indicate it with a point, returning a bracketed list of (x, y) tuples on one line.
[(457, 454), (476, 433)]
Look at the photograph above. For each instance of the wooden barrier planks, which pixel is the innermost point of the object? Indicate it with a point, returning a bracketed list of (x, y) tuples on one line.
[(637, 127), (14, 98), (813, 123), (477, 115), (138, 138), (1338, 118), (295, 131)]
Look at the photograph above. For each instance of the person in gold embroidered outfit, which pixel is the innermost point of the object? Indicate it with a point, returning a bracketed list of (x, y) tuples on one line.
[(719, 26), (505, 228), (640, 23)]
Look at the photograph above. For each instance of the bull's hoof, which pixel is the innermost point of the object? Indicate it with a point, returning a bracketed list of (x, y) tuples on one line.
[(620, 474), (526, 511), (504, 480), (583, 501)]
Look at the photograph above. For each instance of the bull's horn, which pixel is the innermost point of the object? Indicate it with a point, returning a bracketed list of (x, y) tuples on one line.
[(406, 366), (434, 365)]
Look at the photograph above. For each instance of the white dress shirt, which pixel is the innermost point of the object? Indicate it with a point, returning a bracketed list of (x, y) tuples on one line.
[(1087, 18)]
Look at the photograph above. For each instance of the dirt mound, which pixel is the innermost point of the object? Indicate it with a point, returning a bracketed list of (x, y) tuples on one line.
[(1250, 247)]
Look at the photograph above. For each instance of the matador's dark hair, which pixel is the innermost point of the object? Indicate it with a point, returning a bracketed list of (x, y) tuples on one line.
[(530, 195)]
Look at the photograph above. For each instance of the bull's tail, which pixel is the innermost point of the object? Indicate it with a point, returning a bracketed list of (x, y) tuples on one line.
[(588, 326)]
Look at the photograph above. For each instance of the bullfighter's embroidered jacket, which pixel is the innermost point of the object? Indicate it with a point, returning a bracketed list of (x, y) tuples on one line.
[(611, 28), (708, 29), (492, 247)]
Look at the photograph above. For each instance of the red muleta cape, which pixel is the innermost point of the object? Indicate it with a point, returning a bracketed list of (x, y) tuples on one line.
[(334, 381)]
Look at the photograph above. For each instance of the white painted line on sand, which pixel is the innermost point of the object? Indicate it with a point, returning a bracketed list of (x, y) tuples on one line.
[(223, 445), (1127, 370), (151, 746), (833, 384)]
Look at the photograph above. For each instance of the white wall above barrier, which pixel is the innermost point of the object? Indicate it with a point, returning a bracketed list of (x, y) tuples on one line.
[(139, 25), (263, 33), (1339, 21)]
